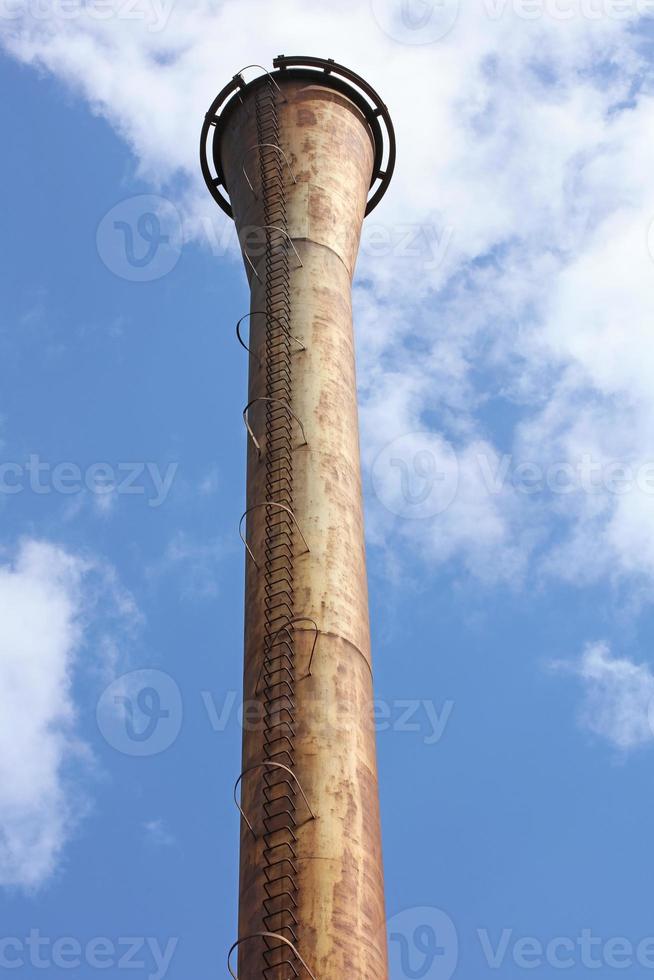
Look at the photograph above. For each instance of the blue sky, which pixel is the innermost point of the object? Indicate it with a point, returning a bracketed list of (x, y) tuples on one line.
[(504, 321)]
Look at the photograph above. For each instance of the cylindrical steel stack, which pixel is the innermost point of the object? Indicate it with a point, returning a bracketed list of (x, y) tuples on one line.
[(298, 152)]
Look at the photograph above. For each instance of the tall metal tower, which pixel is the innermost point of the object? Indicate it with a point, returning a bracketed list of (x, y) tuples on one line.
[(303, 153)]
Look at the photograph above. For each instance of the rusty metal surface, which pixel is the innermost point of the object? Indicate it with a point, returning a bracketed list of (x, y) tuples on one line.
[(334, 877)]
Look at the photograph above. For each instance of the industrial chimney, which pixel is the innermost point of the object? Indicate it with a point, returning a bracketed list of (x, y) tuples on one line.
[(298, 157)]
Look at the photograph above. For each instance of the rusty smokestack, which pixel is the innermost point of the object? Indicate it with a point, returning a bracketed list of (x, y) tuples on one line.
[(298, 156)]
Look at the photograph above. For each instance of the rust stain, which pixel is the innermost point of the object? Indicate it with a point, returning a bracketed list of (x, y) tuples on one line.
[(306, 117)]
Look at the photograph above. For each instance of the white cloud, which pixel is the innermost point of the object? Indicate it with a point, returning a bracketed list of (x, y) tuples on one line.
[(46, 596), (158, 834), (210, 483), (618, 697), (198, 563), (524, 172)]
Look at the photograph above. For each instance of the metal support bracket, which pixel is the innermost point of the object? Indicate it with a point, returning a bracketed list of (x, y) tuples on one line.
[(272, 146), (267, 935), (285, 235), (305, 619), (251, 264), (238, 78), (275, 401), (301, 346), (269, 503), (269, 765), (286, 629)]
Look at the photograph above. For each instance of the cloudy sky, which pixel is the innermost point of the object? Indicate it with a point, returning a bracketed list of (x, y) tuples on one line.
[(504, 299)]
